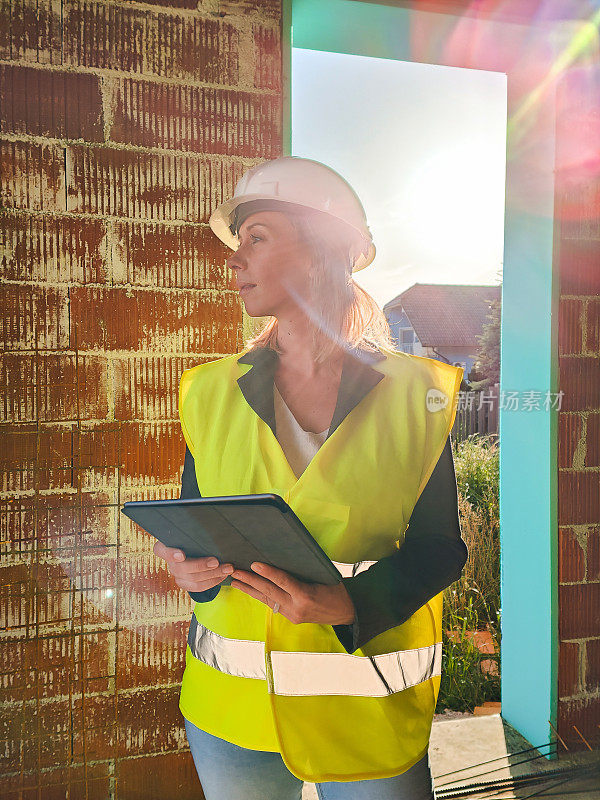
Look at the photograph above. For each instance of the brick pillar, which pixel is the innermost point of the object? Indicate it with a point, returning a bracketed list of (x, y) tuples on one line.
[(122, 126), (578, 242)]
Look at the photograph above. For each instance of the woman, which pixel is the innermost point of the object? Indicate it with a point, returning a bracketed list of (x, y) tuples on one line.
[(287, 681)]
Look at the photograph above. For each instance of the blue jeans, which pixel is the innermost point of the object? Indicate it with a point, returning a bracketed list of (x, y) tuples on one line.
[(229, 772)]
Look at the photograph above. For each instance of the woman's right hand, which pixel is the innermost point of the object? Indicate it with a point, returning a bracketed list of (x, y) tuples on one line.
[(192, 574)]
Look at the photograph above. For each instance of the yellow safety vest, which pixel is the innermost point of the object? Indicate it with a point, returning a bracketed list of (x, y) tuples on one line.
[(254, 678)]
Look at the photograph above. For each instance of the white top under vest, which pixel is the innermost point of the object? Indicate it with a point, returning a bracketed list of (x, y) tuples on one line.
[(298, 445)]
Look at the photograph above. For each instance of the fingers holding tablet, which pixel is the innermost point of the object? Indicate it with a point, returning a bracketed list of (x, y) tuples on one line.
[(192, 574)]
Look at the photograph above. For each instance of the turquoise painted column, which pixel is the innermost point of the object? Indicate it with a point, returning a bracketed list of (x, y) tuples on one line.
[(528, 480)]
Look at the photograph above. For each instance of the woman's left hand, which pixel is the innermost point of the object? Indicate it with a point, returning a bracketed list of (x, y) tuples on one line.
[(298, 601)]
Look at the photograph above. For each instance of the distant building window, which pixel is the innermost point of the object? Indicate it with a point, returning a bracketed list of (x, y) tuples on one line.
[(407, 340)]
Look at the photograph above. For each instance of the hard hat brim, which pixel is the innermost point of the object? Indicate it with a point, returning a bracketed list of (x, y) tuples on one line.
[(220, 220)]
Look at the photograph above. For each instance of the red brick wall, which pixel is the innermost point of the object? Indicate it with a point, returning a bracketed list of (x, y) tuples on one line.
[(122, 126), (578, 247)]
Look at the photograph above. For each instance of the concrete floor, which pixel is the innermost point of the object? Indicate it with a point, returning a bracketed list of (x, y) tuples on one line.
[(466, 740)]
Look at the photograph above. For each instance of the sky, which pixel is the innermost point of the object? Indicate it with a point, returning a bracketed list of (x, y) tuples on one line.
[(424, 147)]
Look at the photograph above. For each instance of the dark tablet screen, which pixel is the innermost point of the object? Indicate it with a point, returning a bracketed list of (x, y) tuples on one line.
[(237, 529)]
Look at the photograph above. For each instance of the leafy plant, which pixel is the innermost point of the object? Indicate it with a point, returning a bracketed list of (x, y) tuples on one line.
[(464, 684), (472, 603), (477, 465)]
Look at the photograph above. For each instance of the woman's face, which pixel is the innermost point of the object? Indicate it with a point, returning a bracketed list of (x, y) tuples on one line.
[(274, 261)]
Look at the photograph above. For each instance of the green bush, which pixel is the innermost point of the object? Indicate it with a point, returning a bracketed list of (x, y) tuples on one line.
[(464, 684), (473, 602), (477, 461), (477, 464)]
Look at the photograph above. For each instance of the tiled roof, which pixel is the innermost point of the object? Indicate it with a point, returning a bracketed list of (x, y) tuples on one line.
[(446, 314)]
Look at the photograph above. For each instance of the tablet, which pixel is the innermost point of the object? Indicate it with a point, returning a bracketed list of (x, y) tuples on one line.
[(238, 530)]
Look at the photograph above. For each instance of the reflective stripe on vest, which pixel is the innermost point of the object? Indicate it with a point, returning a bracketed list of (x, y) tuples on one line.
[(302, 674)]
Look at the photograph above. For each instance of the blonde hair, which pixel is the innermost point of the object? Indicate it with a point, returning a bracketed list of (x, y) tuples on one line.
[(342, 312)]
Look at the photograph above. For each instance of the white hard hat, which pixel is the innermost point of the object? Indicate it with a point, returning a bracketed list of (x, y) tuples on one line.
[(300, 182)]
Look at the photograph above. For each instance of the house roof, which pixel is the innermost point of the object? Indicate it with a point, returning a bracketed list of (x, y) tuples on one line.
[(446, 315)]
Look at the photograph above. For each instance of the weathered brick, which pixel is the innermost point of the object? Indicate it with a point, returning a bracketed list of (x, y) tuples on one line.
[(577, 205), (96, 743), (170, 256), (55, 447), (593, 322), (577, 126), (56, 522), (34, 318), (133, 538), (91, 372), (157, 776), (55, 665), (100, 455), (18, 679), (52, 103), (45, 248), (150, 42), (75, 610), (584, 713), (48, 597), (579, 379), (579, 604), (53, 387), (5, 13), (155, 653), (37, 457), (201, 120), (100, 445), (17, 523), (592, 457), (157, 186), (147, 590), (33, 176), (578, 263), (568, 668), (593, 554), (267, 48), (570, 429), (84, 570), (18, 377), (592, 672), (147, 387), (571, 557), (570, 328), (83, 789), (17, 607), (149, 721), (243, 8), (72, 387), (58, 677), (190, 4), (578, 498), (151, 453), (155, 321), (32, 30), (56, 783)]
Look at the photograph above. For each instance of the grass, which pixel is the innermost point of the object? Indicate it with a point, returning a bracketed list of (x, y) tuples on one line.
[(473, 602)]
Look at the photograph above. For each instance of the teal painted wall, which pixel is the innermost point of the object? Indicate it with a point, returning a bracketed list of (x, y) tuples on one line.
[(362, 29), (528, 472)]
